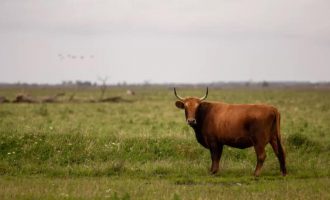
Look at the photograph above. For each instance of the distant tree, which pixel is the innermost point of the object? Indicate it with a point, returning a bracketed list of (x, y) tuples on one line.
[(83, 83), (103, 86), (264, 84)]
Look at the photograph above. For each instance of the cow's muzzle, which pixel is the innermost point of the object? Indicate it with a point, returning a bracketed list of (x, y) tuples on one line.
[(191, 121)]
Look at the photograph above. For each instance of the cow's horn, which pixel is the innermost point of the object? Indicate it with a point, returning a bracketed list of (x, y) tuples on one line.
[(207, 92), (177, 95)]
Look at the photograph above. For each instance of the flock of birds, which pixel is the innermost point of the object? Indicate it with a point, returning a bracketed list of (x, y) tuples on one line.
[(70, 56)]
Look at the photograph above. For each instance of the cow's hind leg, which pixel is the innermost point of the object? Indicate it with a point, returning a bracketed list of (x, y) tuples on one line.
[(261, 156), (216, 151), (279, 152)]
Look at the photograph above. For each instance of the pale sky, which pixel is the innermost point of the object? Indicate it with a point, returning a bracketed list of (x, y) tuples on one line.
[(164, 41)]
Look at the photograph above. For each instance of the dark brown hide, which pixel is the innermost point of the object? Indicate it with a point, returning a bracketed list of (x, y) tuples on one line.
[(21, 98), (236, 125)]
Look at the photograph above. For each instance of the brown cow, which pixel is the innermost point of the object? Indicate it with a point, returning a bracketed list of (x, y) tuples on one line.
[(236, 125)]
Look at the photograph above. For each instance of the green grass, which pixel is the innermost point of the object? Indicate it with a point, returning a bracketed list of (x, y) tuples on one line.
[(144, 149)]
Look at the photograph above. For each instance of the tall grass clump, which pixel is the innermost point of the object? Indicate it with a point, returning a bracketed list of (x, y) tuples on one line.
[(302, 142), (42, 110)]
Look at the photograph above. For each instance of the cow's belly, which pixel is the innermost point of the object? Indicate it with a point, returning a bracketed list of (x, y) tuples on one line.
[(240, 143)]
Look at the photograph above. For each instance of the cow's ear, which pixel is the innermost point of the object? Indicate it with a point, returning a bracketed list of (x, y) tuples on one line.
[(179, 104)]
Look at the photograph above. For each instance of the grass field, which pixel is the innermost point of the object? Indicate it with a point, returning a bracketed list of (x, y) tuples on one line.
[(145, 150)]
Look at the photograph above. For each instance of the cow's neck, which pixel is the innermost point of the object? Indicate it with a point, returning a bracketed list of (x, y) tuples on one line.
[(202, 111), (199, 136)]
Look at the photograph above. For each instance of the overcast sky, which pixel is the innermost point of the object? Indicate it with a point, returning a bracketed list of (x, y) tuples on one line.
[(164, 40)]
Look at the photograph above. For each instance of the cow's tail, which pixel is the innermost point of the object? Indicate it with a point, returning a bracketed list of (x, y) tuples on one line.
[(279, 150)]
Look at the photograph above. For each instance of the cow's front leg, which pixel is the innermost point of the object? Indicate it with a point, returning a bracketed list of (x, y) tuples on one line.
[(216, 151)]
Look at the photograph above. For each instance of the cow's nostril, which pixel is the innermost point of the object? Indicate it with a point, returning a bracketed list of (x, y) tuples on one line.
[(191, 121)]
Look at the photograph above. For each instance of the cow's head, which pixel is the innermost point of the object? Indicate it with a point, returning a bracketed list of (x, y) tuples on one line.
[(190, 106)]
